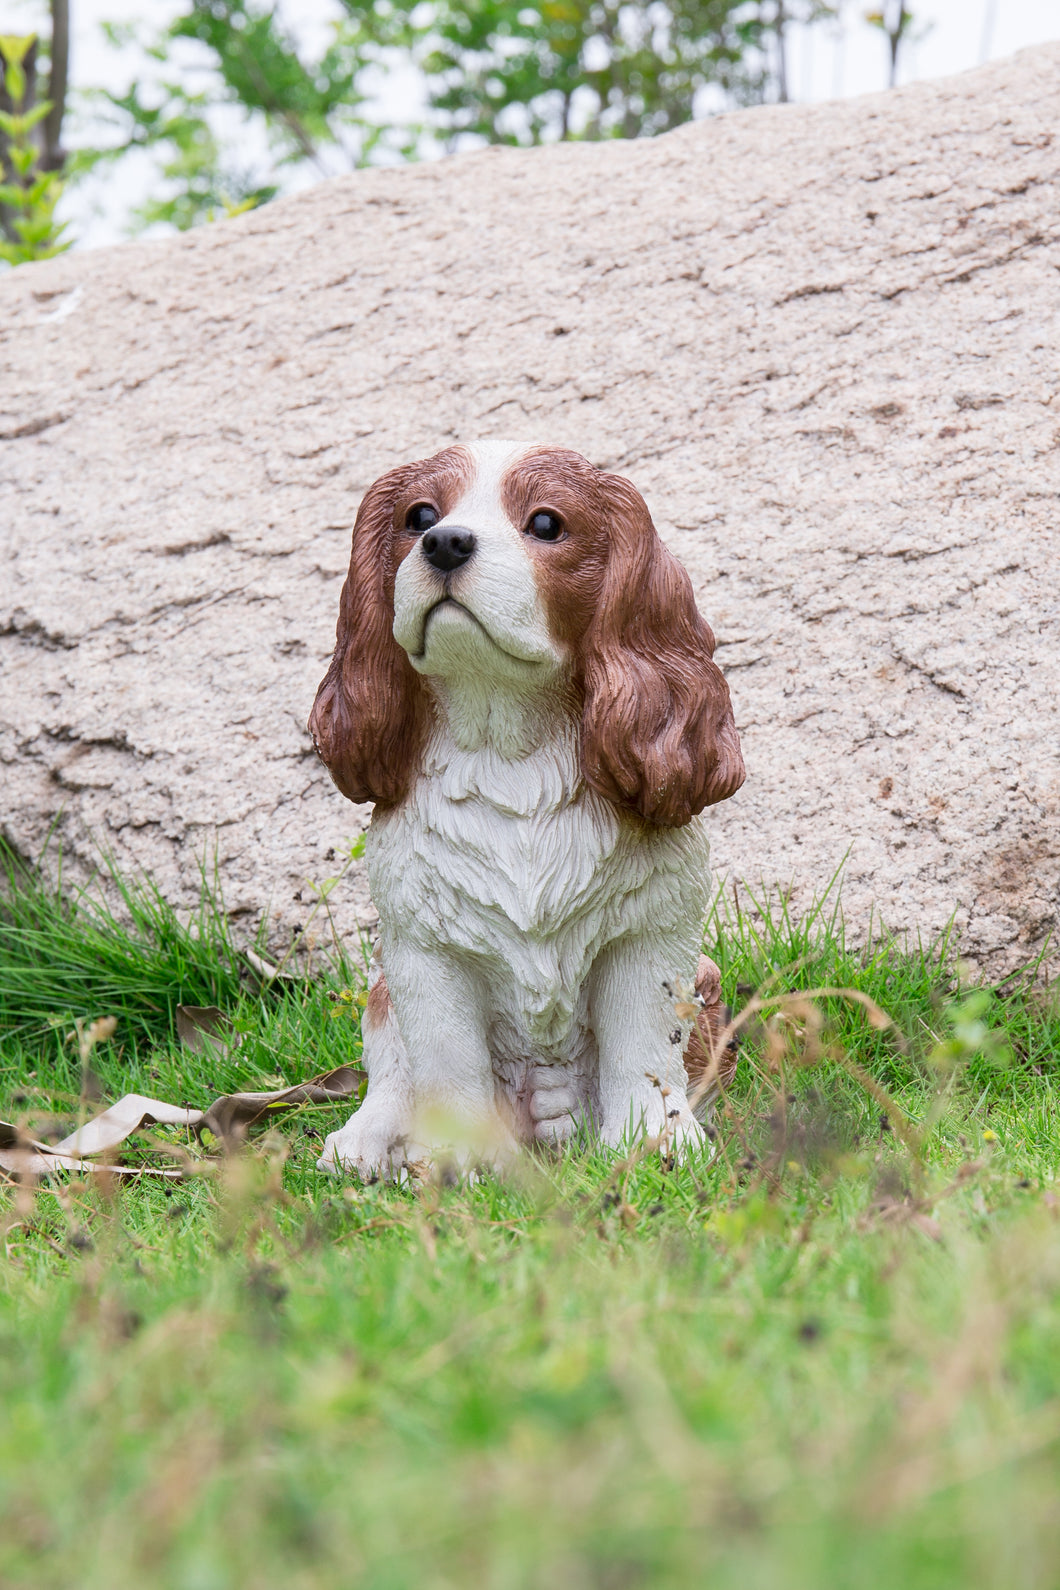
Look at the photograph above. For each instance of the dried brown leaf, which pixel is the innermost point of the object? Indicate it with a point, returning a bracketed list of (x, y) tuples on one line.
[(228, 1118)]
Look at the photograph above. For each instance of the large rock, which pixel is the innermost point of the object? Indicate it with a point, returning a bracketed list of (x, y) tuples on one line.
[(822, 341)]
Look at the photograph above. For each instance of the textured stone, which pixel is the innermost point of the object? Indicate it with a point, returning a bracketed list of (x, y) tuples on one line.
[(822, 341)]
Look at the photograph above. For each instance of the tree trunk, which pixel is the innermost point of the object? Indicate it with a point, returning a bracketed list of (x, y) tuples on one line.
[(53, 155), (895, 29), (780, 23)]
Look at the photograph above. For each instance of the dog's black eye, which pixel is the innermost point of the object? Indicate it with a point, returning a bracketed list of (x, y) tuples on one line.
[(420, 518), (545, 527)]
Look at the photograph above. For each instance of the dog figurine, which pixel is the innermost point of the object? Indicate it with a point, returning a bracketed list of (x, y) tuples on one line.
[(524, 686)]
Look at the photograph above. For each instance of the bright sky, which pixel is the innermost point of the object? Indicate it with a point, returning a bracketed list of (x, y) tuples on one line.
[(827, 62)]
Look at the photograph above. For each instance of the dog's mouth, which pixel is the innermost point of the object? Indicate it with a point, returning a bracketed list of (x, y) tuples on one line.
[(450, 604)]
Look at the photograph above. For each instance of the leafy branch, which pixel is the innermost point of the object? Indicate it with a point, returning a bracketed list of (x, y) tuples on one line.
[(29, 191)]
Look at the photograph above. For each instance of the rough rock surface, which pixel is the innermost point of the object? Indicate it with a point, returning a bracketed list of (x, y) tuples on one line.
[(822, 340)]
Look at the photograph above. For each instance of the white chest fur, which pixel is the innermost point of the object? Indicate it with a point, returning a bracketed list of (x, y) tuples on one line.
[(517, 869)]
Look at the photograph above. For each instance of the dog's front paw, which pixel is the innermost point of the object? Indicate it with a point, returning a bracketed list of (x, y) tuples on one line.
[(452, 1152), (372, 1145), (665, 1120), (683, 1137)]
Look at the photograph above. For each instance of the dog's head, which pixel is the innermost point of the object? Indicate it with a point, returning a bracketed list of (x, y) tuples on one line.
[(525, 567)]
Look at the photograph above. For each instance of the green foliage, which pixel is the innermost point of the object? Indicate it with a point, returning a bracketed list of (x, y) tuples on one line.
[(971, 1037), (234, 107), (495, 71), (820, 1360), (201, 181), (514, 73), (261, 70), (28, 192), (309, 108)]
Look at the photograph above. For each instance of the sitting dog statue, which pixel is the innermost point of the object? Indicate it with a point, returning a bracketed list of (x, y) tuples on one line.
[(524, 686)]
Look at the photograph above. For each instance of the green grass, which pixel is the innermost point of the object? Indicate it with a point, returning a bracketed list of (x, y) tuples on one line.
[(829, 1357)]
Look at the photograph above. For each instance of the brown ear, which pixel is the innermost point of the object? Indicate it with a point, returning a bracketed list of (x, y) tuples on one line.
[(658, 734), (370, 716)]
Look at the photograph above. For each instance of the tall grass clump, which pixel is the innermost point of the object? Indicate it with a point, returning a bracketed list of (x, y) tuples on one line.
[(76, 952), (115, 948)]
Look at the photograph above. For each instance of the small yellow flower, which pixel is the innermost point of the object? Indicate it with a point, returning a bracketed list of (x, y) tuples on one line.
[(989, 1136)]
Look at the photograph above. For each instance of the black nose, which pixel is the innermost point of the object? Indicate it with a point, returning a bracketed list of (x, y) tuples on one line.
[(447, 546)]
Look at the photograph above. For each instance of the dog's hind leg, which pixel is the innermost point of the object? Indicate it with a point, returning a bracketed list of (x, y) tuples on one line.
[(374, 1139), (556, 1103)]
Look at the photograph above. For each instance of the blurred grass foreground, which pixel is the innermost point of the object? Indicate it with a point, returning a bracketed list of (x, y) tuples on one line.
[(828, 1356)]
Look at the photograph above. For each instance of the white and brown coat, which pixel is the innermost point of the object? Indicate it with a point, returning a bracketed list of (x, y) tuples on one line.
[(523, 684)]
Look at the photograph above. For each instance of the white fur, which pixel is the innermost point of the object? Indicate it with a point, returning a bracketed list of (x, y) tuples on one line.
[(531, 935)]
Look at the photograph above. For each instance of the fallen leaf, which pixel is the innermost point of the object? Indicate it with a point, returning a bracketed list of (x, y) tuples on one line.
[(204, 1029), (228, 1118)]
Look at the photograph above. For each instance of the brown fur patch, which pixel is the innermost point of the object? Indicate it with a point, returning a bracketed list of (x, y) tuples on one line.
[(378, 1007), (658, 734), (371, 713), (570, 573)]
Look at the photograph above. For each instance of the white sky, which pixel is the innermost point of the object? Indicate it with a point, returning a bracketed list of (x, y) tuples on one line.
[(826, 62)]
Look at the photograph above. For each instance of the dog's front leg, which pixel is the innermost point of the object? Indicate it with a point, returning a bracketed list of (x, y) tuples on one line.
[(640, 1038), (374, 1139), (441, 1008)]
